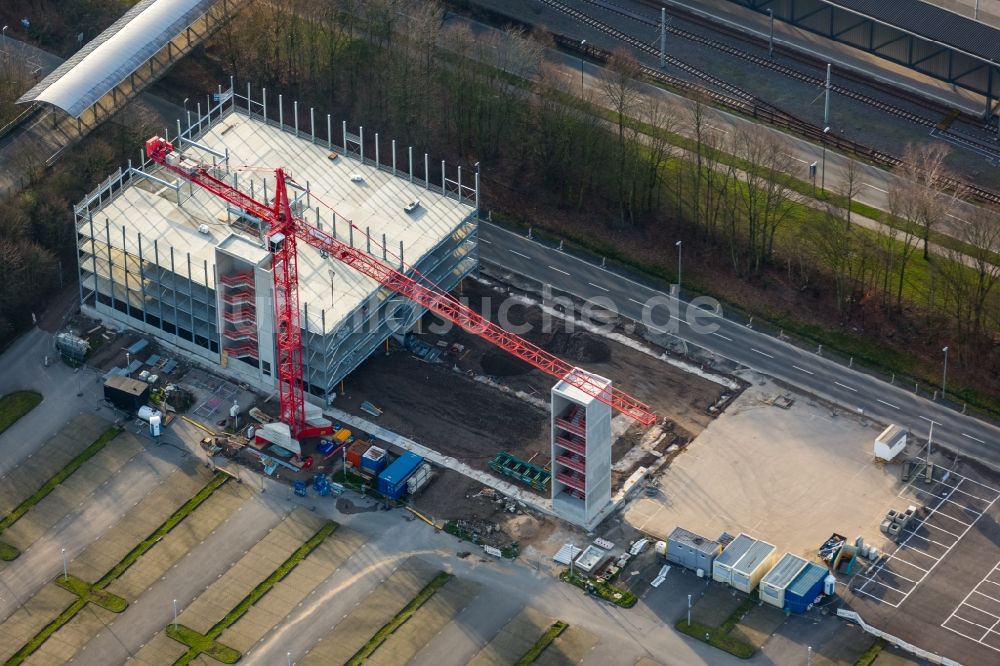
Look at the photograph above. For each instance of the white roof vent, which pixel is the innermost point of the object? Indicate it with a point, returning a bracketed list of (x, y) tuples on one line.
[(203, 229)]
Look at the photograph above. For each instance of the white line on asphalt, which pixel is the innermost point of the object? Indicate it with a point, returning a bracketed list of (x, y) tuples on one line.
[(887, 404), (957, 218), (761, 353), (638, 302), (598, 286), (849, 388), (717, 129), (797, 159), (722, 336), (483, 240), (975, 439), (519, 254), (927, 419), (808, 372), (558, 270), (875, 188)]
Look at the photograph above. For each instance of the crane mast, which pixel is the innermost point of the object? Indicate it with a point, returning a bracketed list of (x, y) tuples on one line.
[(285, 229)]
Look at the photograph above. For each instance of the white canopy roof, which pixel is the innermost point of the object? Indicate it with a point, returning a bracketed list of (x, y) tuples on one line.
[(112, 56)]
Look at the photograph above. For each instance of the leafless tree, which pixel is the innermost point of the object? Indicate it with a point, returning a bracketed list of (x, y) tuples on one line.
[(618, 84), (924, 166)]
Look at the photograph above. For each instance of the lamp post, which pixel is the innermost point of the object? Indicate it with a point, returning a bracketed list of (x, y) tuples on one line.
[(65, 569), (289, 655), (175, 614), (583, 47), (944, 377), (770, 35), (822, 177), (187, 113), (679, 245)]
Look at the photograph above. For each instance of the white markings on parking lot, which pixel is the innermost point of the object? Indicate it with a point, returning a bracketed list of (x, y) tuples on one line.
[(519, 254), (598, 286), (959, 623), (558, 270), (849, 388), (808, 372), (885, 584), (761, 353), (974, 439), (887, 404)]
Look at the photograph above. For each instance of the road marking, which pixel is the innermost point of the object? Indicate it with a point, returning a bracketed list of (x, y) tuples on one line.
[(956, 217), (975, 439), (557, 270), (519, 254), (875, 188), (887, 404), (928, 420), (722, 336), (761, 353), (797, 159), (598, 286), (483, 240), (717, 129), (808, 372), (849, 388), (639, 302)]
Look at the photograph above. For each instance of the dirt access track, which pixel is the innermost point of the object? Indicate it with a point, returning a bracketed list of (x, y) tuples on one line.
[(452, 407)]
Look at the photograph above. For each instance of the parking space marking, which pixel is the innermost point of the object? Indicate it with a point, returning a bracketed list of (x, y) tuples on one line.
[(873, 576), (965, 603)]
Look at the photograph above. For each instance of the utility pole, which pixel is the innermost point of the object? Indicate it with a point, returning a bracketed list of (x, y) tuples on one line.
[(826, 104), (663, 37), (770, 34)]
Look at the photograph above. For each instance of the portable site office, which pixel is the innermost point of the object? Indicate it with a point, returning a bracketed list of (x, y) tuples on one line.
[(778, 579), (752, 566), (722, 567)]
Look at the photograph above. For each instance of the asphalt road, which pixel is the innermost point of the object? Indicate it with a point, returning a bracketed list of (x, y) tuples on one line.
[(810, 372)]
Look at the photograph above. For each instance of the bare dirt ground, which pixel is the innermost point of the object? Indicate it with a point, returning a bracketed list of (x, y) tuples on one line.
[(471, 420)]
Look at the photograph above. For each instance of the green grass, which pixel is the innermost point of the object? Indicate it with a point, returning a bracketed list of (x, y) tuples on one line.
[(258, 592), (9, 552), (396, 622), (88, 592), (615, 595), (203, 644), (871, 653), (15, 405), (106, 599), (543, 642), (719, 636)]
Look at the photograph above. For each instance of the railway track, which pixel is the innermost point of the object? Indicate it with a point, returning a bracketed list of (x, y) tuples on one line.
[(804, 77), (742, 101)]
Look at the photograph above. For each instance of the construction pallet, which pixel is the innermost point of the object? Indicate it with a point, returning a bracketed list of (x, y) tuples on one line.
[(521, 470)]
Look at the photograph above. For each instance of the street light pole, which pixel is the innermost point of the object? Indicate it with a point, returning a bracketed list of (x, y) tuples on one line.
[(679, 247), (289, 655), (175, 614), (822, 181), (944, 378), (65, 569), (689, 610), (583, 49)]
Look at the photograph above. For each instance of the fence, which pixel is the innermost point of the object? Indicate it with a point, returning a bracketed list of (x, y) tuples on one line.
[(892, 640)]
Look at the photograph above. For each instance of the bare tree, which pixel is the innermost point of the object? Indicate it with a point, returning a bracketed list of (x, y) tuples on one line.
[(849, 186), (924, 166), (618, 84), (899, 240)]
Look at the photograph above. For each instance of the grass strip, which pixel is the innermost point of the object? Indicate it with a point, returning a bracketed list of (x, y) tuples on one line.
[(263, 588), (719, 636), (543, 642), (15, 405), (9, 552), (871, 653), (87, 592), (401, 617), (203, 644), (617, 596), (70, 612)]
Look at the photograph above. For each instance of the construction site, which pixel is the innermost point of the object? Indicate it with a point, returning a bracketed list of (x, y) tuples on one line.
[(312, 404)]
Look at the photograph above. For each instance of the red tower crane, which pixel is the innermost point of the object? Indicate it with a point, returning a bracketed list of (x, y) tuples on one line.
[(284, 232)]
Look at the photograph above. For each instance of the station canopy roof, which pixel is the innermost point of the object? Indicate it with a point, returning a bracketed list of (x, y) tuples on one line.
[(931, 23), (108, 59)]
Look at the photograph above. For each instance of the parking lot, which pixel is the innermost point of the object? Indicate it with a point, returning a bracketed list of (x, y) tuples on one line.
[(939, 585), (945, 519)]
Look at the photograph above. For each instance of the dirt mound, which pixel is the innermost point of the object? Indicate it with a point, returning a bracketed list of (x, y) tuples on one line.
[(499, 363), (580, 347)]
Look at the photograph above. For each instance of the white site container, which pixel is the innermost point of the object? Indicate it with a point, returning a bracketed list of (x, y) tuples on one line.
[(753, 566), (773, 585), (722, 566)]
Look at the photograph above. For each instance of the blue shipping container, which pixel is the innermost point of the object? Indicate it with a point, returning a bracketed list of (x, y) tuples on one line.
[(805, 588), (392, 482)]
